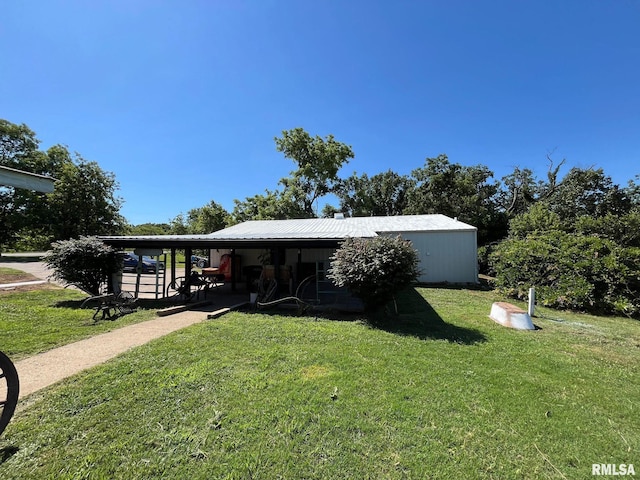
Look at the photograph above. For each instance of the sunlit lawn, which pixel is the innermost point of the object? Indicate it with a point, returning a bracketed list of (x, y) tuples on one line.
[(38, 320), (445, 394)]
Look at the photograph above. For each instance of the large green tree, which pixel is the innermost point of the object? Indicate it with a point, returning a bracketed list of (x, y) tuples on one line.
[(84, 201), (458, 191), (18, 143), (382, 194), (318, 161), (149, 229), (206, 219), (518, 191), (272, 205), (18, 147), (587, 192)]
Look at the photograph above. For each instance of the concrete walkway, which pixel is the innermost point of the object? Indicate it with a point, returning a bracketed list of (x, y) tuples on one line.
[(47, 368)]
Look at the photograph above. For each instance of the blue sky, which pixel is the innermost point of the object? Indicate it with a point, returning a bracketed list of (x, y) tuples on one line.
[(181, 100)]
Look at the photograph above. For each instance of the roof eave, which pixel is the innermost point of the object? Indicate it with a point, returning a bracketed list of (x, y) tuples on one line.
[(228, 243)]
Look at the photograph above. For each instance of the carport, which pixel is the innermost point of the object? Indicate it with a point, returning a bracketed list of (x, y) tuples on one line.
[(447, 248), (189, 243)]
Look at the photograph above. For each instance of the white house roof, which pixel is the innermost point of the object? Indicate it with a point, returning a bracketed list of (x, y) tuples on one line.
[(310, 232), (335, 228)]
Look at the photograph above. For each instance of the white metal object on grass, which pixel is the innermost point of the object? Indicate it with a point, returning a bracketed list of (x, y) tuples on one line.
[(509, 315)]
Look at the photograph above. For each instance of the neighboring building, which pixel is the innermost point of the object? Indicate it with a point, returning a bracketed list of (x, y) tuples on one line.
[(447, 248)]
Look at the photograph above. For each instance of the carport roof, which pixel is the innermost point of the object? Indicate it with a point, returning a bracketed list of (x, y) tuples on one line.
[(310, 232)]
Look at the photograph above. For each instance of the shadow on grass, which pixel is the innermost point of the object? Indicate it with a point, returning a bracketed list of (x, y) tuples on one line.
[(484, 285), (416, 317), (144, 303), (7, 452)]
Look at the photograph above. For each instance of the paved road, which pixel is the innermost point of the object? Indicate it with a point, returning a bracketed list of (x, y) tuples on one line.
[(27, 262)]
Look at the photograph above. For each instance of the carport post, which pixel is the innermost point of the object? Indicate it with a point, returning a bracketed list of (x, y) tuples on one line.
[(173, 265), (187, 268), (233, 269), (298, 267)]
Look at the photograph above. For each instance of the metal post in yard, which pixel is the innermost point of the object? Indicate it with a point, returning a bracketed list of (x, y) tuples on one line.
[(532, 301)]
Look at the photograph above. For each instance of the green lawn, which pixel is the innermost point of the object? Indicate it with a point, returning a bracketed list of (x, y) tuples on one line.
[(38, 320), (447, 394)]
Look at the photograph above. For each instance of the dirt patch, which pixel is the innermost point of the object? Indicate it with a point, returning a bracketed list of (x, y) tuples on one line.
[(28, 288), (15, 277)]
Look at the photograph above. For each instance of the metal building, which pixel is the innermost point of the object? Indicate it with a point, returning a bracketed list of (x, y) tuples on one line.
[(446, 247)]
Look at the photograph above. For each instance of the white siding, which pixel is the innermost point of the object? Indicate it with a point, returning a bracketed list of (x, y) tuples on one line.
[(446, 256)]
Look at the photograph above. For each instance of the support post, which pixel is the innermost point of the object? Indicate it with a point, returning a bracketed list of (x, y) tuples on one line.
[(298, 268), (233, 269), (187, 268), (173, 265), (532, 301)]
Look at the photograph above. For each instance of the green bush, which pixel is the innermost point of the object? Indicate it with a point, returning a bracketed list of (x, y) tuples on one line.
[(570, 271), (85, 262), (374, 269)]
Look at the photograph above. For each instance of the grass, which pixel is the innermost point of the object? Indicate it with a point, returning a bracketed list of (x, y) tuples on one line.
[(39, 319), (446, 393)]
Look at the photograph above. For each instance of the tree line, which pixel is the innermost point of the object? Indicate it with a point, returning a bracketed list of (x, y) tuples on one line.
[(574, 235), (469, 193)]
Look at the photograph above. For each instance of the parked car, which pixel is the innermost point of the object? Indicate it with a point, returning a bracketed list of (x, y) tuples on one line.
[(199, 262), (130, 263)]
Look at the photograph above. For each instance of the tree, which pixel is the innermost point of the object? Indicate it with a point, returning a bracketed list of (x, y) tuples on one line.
[(537, 220), (587, 192), (149, 229), (578, 245), (374, 269), (518, 191), (633, 192), (34, 229), (318, 161), (85, 262), (458, 191), (18, 146), (329, 211), (201, 221), (383, 194), (622, 229), (18, 143), (207, 219), (273, 205), (84, 202)]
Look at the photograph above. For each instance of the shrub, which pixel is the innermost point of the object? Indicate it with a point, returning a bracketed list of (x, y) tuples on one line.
[(374, 269), (570, 271), (85, 262)]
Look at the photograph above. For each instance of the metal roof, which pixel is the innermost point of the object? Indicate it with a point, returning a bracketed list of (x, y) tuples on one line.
[(309, 232), (340, 228), (20, 179)]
